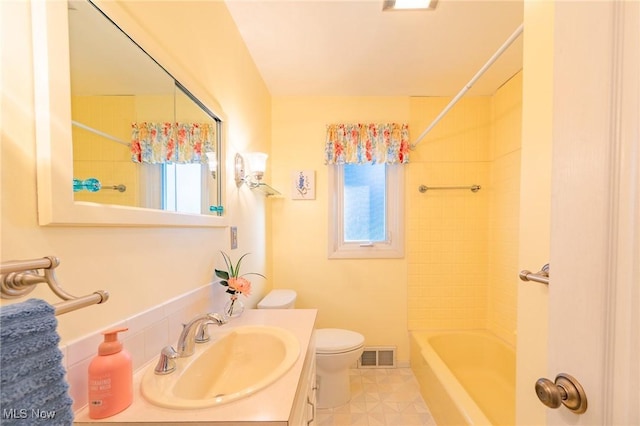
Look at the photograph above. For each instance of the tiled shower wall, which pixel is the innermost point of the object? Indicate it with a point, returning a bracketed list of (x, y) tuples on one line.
[(462, 246), (447, 230), (101, 158), (504, 210)]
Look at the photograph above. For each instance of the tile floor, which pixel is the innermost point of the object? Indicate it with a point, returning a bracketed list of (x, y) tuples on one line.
[(380, 397)]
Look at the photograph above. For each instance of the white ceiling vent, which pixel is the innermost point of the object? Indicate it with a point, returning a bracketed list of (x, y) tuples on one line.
[(378, 357)]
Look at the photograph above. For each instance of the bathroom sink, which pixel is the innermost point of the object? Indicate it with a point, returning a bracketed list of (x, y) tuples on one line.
[(233, 365)]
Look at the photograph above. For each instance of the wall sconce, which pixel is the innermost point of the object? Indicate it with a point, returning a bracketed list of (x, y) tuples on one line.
[(257, 166), (212, 162), (257, 162)]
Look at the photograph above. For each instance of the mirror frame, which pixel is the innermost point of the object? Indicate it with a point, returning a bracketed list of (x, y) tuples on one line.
[(54, 153)]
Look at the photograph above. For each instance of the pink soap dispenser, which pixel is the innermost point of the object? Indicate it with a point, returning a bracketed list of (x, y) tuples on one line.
[(110, 377)]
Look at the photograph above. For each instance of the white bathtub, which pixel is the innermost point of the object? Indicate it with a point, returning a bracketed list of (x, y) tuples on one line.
[(466, 377)]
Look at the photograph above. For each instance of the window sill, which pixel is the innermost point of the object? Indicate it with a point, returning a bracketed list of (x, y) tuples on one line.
[(370, 252)]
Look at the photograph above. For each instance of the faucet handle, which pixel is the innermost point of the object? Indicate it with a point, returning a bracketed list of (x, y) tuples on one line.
[(219, 319), (166, 362)]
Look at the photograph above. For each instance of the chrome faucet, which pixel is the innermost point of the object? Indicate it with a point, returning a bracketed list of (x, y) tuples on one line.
[(187, 339), (192, 332)]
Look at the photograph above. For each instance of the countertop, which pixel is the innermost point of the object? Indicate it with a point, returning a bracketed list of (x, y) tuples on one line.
[(270, 406)]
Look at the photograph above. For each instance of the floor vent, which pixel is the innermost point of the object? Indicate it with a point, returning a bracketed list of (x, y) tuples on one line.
[(378, 357)]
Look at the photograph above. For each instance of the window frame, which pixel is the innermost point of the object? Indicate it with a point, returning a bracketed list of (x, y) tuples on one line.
[(393, 247)]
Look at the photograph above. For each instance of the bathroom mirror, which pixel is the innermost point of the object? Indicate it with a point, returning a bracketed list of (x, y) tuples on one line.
[(88, 97), (114, 83)]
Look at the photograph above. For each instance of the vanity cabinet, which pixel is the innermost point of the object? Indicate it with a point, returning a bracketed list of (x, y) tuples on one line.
[(289, 401), (303, 412)]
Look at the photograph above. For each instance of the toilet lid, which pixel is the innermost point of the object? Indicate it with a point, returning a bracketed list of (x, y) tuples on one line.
[(335, 340), (278, 299)]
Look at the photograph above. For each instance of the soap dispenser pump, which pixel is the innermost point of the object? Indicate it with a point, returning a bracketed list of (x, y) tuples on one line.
[(110, 377)]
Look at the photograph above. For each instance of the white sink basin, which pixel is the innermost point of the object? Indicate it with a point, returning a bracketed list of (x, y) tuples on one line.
[(234, 365)]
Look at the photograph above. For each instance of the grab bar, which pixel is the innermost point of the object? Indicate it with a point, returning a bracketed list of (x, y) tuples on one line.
[(94, 185), (120, 187), (542, 276), (425, 188)]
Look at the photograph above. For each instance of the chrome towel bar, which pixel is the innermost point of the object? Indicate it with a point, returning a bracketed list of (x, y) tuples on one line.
[(19, 277), (425, 188), (542, 276), (120, 187)]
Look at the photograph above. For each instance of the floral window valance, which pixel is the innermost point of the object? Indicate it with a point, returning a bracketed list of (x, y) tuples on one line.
[(172, 142), (386, 143)]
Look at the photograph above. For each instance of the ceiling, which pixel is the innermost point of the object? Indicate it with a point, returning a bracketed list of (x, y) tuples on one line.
[(353, 48)]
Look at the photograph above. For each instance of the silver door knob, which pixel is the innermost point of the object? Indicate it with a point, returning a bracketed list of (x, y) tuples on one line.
[(565, 390)]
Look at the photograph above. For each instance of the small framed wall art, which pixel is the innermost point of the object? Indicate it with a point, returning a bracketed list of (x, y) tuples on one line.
[(303, 185)]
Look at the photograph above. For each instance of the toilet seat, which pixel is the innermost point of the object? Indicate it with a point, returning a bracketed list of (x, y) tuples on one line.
[(336, 341)]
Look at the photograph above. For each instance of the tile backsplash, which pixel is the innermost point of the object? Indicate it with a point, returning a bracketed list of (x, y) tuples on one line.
[(148, 332)]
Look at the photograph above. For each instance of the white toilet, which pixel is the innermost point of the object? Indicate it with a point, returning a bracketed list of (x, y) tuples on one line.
[(336, 351), (278, 299)]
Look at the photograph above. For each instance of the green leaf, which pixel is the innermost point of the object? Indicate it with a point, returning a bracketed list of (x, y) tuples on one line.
[(233, 270), (237, 270), (227, 261), (254, 273), (222, 274)]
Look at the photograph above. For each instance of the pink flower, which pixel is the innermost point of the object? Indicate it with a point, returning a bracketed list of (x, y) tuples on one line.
[(241, 285)]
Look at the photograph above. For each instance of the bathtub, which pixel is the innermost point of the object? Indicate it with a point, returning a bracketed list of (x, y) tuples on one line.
[(466, 377)]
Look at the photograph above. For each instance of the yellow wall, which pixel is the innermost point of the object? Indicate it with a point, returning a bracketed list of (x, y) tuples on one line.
[(140, 267), (460, 259), (368, 296)]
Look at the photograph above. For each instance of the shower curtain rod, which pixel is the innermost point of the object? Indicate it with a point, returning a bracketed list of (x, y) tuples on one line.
[(99, 133), (471, 82)]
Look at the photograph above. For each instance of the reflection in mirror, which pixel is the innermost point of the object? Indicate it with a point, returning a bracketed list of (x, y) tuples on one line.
[(116, 87)]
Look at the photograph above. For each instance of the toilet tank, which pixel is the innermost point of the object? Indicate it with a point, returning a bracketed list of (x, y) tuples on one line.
[(278, 299)]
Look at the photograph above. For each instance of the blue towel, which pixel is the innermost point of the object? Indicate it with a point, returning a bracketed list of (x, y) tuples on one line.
[(33, 389)]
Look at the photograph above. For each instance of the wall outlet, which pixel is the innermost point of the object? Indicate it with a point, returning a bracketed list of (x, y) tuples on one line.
[(234, 237)]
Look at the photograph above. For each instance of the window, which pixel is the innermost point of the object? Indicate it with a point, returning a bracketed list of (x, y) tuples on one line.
[(366, 211), (184, 187)]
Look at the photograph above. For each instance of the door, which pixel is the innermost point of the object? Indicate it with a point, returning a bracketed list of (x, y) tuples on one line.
[(594, 296)]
